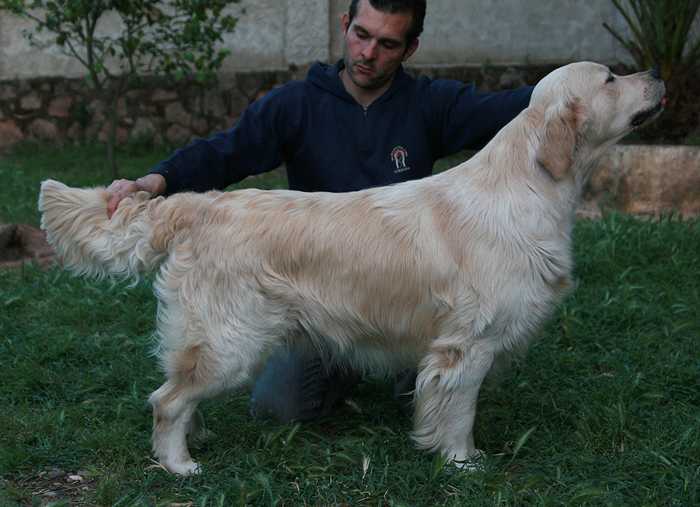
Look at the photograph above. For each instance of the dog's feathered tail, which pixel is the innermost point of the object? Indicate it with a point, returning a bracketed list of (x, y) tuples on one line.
[(88, 242)]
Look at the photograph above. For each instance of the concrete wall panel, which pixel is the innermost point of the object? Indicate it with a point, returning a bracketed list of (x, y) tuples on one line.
[(274, 34)]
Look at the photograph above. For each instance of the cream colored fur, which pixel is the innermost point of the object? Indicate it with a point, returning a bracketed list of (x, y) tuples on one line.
[(446, 273)]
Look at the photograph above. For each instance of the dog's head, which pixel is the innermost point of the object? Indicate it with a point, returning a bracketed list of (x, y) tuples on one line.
[(586, 108)]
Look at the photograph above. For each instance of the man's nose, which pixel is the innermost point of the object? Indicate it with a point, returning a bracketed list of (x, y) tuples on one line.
[(369, 52)]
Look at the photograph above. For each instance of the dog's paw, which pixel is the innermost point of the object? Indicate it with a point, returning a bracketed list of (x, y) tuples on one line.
[(473, 463), (184, 468)]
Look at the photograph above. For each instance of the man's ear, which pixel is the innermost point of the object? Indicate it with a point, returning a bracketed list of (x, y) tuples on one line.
[(345, 22), (555, 153), (412, 47)]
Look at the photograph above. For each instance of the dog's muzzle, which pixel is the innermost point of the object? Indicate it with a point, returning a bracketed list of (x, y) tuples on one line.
[(647, 115)]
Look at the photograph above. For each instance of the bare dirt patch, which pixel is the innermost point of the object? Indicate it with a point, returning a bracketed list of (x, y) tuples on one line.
[(52, 486), (20, 243)]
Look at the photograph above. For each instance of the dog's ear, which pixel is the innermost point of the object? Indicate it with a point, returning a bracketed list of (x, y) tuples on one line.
[(555, 153)]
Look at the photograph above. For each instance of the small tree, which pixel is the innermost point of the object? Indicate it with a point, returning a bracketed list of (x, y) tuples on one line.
[(174, 38)]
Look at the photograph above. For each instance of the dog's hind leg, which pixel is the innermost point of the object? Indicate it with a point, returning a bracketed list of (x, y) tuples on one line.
[(447, 389), (196, 373), (174, 405)]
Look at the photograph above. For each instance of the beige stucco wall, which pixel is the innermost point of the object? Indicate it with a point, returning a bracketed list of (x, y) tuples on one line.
[(459, 32), (274, 34), (271, 34)]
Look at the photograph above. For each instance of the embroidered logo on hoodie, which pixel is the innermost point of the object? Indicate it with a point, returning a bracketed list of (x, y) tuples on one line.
[(399, 156)]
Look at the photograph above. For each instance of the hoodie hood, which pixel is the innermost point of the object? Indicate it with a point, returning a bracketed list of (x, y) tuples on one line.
[(327, 77)]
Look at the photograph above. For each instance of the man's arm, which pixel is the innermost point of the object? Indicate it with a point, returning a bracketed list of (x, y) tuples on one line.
[(252, 146), (464, 118)]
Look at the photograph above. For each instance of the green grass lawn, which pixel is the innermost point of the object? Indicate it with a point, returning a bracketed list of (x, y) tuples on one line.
[(604, 410)]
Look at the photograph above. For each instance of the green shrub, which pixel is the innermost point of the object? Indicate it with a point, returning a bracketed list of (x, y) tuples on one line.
[(661, 35)]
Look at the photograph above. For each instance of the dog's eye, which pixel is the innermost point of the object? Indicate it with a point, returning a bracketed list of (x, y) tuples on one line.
[(610, 79)]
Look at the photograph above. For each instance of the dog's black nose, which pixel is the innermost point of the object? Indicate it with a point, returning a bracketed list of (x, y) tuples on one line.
[(656, 72)]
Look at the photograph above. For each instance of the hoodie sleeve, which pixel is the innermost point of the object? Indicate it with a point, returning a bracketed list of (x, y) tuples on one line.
[(464, 118), (252, 146)]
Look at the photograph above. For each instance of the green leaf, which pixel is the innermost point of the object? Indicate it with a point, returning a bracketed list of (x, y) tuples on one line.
[(521, 441)]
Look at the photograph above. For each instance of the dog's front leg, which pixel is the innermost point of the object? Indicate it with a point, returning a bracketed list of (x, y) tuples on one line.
[(446, 393)]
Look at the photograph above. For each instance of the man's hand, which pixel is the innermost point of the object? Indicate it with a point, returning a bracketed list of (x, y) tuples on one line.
[(119, 189)]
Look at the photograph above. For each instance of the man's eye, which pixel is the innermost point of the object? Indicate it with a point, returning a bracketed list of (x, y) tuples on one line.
[(610, 79)]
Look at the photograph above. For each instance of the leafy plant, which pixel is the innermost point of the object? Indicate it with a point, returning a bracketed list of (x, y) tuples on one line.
[(661, 34), (173, 38)]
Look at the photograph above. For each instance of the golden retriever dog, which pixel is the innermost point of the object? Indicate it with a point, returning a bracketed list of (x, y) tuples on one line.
[(444, 274)]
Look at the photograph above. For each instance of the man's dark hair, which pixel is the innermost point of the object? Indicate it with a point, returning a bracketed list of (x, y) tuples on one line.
[(415, 7)]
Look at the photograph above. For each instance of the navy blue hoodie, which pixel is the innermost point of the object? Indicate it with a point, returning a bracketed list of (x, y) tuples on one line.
[(329, 142)]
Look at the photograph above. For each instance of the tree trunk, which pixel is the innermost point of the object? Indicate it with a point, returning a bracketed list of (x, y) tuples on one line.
[(113, 120)]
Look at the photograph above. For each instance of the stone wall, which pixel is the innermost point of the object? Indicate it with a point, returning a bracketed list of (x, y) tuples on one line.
[(42, 96), (65, 110), (646, 180)]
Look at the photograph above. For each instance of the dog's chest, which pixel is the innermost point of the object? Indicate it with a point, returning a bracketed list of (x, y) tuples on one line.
[(529, 296)]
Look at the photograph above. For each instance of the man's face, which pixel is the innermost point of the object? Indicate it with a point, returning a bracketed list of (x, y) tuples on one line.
[(375, 45)]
